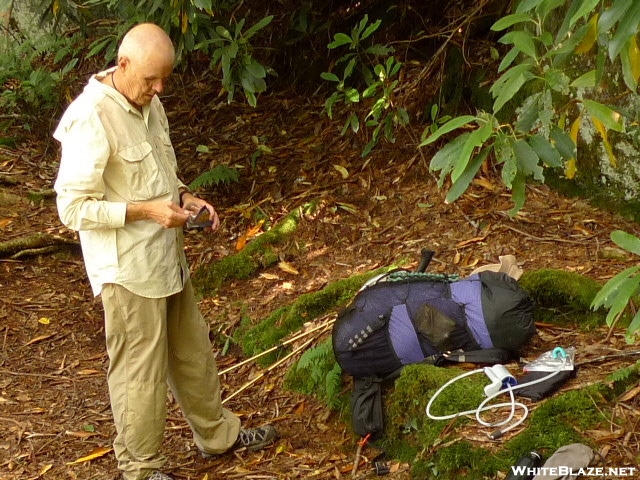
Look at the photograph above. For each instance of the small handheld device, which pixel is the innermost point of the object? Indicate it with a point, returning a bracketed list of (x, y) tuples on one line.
[(199, 220)]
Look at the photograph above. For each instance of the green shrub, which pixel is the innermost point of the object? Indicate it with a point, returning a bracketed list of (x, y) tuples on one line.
[(33, 73), (547, 99)]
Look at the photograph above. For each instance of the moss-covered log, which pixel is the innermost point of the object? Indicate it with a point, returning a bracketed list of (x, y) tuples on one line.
[(33, 243), (256, 338), (438, 449), (436, 446), (563, 297), (257, 254)]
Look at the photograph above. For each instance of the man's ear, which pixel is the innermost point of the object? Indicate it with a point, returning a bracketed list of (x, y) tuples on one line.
[(123, 62)]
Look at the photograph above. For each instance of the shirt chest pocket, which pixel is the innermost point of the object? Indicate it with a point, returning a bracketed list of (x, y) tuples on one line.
[(167, 148), (141, 173)]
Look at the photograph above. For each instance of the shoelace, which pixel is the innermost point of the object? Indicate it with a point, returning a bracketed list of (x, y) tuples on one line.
[(249, 436)]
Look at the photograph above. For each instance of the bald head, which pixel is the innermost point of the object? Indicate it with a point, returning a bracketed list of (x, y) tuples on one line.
[(144, 40), (145, 61)]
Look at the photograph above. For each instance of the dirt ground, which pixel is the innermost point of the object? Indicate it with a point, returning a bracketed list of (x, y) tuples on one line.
[(54, 406)]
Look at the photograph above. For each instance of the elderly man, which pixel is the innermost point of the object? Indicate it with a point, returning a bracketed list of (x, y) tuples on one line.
[(117, 185)]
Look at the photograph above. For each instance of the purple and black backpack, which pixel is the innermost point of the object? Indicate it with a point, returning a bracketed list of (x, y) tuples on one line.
[(405, 317)]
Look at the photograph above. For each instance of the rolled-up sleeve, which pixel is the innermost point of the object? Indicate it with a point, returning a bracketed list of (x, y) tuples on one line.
[(80, 185)]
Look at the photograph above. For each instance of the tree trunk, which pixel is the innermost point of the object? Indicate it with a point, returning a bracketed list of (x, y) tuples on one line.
[(6, 9)]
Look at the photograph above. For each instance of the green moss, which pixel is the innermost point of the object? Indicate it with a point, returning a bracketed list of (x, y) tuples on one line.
[(409, 433), (563, 297), (438, 449), (289, 318), (38, 197), (416, 385), (257, 254)]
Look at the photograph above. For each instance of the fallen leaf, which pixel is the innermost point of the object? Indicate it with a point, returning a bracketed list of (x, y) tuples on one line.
[(80, 434), (269, 276), (287, 267), (471, 262), (252, 232), (239, 469), (45, 469), (96, 453), (44, 321), (88, 371), (299, 409), (343, 171), (348, 207), (5, 221), (582, 230), (39, 339), (630, 394), (483, 182), (606, 435), (471, 240)]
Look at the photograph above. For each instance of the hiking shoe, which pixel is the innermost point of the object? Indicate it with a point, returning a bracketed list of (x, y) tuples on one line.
[(250, 439), (158, 475), (255, 438)]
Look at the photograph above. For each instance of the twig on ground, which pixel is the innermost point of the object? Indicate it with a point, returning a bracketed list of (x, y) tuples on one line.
[(272, 367), (280, 345)]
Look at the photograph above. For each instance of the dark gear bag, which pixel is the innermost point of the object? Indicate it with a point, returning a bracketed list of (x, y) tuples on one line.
[(366, 407), (366, 404)]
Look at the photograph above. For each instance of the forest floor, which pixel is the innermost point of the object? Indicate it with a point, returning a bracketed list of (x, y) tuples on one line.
[(54, 405)]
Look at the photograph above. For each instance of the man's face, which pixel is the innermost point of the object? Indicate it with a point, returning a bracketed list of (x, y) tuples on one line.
[(146, 77)]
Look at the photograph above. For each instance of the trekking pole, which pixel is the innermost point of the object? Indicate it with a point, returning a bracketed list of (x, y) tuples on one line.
[(276, 347), (270, 368)]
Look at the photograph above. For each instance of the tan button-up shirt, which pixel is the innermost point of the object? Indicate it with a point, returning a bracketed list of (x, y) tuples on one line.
[(113, 154)]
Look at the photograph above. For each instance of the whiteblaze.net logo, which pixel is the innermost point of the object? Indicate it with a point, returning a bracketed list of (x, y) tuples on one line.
[(586, 471)]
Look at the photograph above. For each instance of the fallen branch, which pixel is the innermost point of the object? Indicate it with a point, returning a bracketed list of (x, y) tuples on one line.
[(272, 367), (8, 179), (603, 358), (324, 325), (32, 245), (37, 197)]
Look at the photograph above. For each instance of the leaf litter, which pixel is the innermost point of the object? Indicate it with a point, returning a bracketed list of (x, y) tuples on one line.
[(384, 211)]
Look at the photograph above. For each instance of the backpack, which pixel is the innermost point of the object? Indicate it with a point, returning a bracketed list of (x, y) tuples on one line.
[(405, 317)]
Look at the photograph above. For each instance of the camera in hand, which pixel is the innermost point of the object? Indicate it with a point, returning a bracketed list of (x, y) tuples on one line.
[(200, 220)]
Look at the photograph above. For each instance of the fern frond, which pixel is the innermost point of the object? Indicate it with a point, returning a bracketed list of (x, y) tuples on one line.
[(220, 173)]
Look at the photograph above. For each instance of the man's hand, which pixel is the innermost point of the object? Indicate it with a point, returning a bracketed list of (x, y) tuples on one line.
[(193, 204), (163, 212)]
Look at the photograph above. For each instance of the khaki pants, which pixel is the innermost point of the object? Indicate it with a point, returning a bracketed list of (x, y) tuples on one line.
[(151, 341)]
